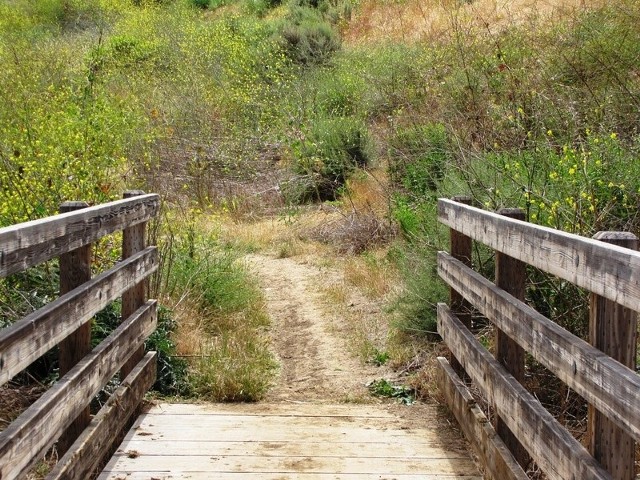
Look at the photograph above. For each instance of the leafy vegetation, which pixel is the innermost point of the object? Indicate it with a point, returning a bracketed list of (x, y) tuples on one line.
[(244, 107), (384, 388)]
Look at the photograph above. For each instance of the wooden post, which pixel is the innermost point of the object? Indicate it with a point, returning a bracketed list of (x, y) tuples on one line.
[(511, 275), (613, 329), (75, 269), (133, 241), (460, 246)]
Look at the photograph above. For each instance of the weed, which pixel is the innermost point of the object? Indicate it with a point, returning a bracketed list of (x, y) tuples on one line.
[(419, 154), (380, 358), (384, 388)]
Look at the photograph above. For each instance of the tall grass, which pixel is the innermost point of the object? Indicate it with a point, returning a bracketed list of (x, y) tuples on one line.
[(221, 320)]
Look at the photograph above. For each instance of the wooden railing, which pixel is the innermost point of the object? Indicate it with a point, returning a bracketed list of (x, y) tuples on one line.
[(62, 413), (602, 371)]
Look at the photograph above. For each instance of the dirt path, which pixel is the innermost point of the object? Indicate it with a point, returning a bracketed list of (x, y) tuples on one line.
[(302, 429), (311, 346)]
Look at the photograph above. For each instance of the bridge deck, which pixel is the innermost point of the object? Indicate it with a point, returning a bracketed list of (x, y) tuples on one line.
[(287, 441)]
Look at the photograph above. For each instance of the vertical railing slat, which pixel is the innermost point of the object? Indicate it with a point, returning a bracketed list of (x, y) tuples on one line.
[(511, 277), (460, 247), (133, 241), (613, 329), (75, 269)]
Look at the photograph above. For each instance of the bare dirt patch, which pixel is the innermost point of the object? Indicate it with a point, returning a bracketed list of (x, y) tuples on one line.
[(311, 344)]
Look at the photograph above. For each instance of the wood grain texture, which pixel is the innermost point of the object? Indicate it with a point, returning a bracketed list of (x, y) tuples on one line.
[(307, 463), (552, 447), (133, 241), (602, 381), (25, 440), (29, 338), (608, 270), (96, 441), (511, 275), (205, 475), (351, 411), (460, 246), (28, 244), (221, 446), (290, 441), (75, 269), (495, 457), (614, 330)]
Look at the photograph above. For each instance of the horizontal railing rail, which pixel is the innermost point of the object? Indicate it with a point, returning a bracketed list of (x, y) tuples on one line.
[(62, 414), (608, 270), (610, 385)]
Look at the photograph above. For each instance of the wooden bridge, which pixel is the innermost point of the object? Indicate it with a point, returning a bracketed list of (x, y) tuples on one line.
[(309, 442)]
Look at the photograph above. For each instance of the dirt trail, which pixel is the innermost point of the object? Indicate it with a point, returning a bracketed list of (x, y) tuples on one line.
[(315, 362)]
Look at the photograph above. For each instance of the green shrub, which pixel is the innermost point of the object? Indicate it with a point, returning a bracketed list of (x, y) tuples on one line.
[(339, 91), (418, 156), (171, 378), (204, 4), (416, 306), (332, 150), (307, 38)]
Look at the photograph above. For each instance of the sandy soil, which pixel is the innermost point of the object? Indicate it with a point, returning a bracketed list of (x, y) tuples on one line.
[(310, 344)]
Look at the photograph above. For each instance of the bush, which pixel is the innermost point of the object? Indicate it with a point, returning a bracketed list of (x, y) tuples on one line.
[(332, 150), (308, 39), (418, 156), (339, 91), (204, 4), (416, 305), (171, 378)]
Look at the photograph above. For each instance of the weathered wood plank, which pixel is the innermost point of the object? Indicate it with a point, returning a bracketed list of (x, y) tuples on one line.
[(255, 441), (304, 464), (282, 410), (377, 447), (614, 330), (266, 421), (608, 270), (557, 453), (240, 432), (28, 339), (495, 457), (75, 269), (278, 476), (97, 439), (133, 241), (25, 440), (30, 243), (511, 276), (613, 388)]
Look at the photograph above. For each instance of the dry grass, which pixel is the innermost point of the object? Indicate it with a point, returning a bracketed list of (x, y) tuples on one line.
[(412, 21), (358, 296), (360, 222), (190, 330), (15, 399), (279, 236), (372, 274), (354, 232), (368, 190), (228, 357), (364, 322)]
